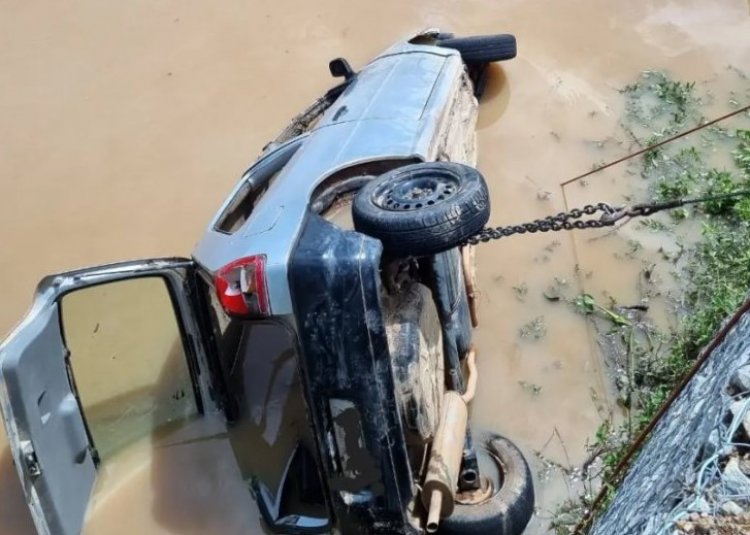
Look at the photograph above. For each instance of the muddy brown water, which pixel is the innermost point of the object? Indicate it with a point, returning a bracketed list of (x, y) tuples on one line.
[(125, 125)]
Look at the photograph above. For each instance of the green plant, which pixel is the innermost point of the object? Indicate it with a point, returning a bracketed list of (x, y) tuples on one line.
[(660, 104), (678, 94), (742, 153), (718, 183), (521, 291), (586, 304), (534, 330), (742, 209)]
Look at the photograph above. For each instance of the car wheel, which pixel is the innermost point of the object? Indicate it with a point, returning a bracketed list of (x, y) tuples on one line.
[(508, 509), (483, 48), (424, 208)]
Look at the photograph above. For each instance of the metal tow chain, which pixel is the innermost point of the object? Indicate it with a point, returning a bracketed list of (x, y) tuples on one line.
[(610, 215)]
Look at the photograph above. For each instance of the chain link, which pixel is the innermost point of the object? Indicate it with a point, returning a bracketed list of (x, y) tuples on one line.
[(572, 220), (562, 221)]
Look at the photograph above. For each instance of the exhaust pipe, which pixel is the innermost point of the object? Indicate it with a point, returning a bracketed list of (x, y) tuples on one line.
[(471, 376), (468, 265), (439, 489)]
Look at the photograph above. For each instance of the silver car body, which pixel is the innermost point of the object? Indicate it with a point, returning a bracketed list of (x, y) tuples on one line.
[(413, 102), (375, 119)]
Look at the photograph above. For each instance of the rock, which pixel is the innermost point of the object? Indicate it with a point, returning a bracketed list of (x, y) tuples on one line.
[(734, 480), (716, 445), (737, 408), (740, 380), (700, 505), (745, 466), (622, 382), (731, 508)]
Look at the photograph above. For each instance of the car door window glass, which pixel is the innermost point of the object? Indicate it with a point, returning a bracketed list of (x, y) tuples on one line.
[(127, 359)]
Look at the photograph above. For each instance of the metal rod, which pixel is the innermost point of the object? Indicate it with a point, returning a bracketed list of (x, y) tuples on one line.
[(469, 478), (433, 517), (445, 460), (470, 281), (656, 145)]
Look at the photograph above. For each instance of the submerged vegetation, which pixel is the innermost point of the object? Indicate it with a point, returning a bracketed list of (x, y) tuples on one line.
[(660, 104), (713, 269)]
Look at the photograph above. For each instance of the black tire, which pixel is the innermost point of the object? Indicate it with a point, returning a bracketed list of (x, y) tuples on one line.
[(423, 208), (483, 48), (509, 509), (478, 75)]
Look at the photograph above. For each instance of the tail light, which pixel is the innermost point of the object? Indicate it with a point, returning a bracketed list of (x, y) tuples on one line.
[(241, 287)]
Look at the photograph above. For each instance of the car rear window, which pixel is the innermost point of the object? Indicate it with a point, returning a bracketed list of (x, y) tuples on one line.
[(242, 205)]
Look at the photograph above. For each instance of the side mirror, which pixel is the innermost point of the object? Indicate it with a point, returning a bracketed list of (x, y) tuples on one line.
[(339, 68)]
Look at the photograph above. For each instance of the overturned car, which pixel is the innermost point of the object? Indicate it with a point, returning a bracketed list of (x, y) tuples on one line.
[(326, 315)]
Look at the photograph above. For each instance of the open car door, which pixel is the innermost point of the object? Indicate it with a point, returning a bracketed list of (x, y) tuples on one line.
[(91, 368)]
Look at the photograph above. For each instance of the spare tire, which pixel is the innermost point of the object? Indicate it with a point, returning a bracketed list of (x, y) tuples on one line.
[(508, 509), (483, 48), (424, 208)]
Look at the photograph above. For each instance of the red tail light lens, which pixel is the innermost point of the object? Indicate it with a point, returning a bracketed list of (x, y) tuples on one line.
[(241, 287)]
